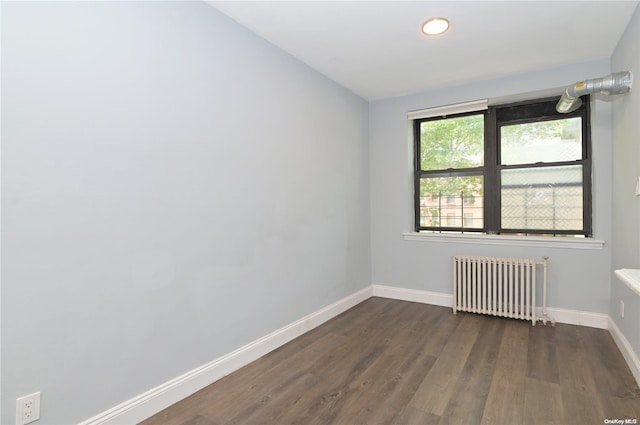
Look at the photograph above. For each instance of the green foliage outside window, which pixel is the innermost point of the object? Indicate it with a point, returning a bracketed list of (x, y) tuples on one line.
[(453, 143)]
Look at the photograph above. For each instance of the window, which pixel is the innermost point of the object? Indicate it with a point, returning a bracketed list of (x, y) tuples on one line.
[(510, 169)]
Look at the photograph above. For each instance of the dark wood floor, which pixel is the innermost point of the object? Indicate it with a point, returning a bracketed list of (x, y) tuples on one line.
[(396, 362)]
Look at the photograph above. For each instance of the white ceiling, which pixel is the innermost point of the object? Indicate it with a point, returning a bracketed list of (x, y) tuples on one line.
[(376, 49)]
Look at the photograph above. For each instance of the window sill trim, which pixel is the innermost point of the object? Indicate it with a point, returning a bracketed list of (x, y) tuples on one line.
[(504, 240), (630, 277)]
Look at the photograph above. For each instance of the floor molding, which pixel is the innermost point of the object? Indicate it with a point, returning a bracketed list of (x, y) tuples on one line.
[(560, 315), (626, 349), (413, 295), (157, 399), (580, 318)]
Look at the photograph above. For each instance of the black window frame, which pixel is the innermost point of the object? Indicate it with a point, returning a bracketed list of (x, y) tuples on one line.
[(496, 117)]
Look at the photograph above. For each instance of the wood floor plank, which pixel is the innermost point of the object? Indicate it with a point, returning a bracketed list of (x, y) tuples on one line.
[(395, 362), (345, 383), (386, 375), (343, 376), (441, 329), (505, 401), (620, 408), (402, 370), (277, 399), (609, 367), (437, 388), (406, 363), (337, 369), (373, 414), (264, 375), (413, 416), (472, 388), (543, 404), (199, 420), (542, 362), (580, 400)]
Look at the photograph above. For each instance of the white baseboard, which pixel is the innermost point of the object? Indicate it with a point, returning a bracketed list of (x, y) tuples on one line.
[(560, 315), (576, 317), (626, 349), (413, 295), (157, 399)]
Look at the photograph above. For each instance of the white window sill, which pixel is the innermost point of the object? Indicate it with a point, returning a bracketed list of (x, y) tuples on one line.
[(630, 277), (531, 241)]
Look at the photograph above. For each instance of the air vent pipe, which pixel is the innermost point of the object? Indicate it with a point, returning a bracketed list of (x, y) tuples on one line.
[(616, 83)]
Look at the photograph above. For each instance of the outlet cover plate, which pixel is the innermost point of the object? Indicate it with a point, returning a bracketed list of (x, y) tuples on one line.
[(28, 409)]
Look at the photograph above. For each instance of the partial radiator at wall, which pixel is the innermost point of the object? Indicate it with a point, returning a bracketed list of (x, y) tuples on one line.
[(497, 286)]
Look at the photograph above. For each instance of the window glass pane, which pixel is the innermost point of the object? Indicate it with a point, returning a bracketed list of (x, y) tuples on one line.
[(542, 198), (452, 202), (452, 143), (468, 220), (546, 141)]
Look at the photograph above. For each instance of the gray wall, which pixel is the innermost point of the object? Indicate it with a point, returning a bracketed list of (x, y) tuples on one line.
[(579, 279), (626, 158), (173, 187)]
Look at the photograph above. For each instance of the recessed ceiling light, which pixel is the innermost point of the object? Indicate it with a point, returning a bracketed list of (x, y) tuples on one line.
[(435, 26)]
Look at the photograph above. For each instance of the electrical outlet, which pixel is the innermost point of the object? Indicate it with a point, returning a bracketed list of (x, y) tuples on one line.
[(28, 409), (622, 308)]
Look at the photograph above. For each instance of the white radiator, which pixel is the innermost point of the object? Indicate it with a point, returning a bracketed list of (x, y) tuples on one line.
[(503, 287)]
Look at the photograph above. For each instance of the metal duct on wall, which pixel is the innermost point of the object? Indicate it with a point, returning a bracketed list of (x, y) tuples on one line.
[(616, 83)]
